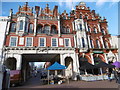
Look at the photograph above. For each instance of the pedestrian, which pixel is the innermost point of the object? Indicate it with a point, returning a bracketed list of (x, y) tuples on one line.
[(115, 75), (109, 75), (118, 74)]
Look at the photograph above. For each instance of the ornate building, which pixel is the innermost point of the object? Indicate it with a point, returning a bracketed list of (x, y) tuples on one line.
[(48, 36)]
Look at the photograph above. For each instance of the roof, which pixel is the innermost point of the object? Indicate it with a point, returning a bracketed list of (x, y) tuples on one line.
[(56, 66)]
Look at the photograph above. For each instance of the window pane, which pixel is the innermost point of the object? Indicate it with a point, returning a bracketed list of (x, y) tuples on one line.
[(13, 27), (67, 42), (83, 42), (21, 25), (29, 42), (54, 42), (42, 42), (13, 41), (25, 26), (47, 29), (31, 28)]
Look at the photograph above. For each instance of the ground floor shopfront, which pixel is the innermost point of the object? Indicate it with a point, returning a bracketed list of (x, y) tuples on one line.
[(18, 58)]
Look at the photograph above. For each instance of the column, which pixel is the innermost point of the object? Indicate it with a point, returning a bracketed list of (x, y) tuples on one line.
[(19, 61), (92, 58), (105, 58), (62, 61), (8, 27), (77, 63), (35, 24), (89, 41), (99, 27), (73, 26), (102, 41), (59, 33), (75, 40)]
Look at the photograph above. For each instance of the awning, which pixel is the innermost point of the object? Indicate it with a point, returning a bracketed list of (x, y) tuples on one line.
[(56, 66)]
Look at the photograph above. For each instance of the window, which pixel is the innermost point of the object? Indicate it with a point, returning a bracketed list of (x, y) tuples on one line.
[(53, 29), (103, 32), (21, 25), (91, 43), (81, 27), (54, 42), (95, 30), (26, 26), (13, 41), (42, 42), (29, 41), (31, 28), (67, 30), (12, 29), (67, 42), (80, 16), (97, 44), (47, 29), (88, 29), (39, 29), (83, 42)]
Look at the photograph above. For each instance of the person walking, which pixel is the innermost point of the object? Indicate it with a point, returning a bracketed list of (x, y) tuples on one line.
[(118, 74), (115, 75)]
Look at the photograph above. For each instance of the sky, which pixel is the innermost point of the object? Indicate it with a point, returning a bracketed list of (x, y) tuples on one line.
[(109, 10)]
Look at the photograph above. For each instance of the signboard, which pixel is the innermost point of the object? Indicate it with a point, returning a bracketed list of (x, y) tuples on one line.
[(98, 52)]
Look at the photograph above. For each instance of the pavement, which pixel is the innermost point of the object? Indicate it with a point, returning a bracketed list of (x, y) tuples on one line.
[(36, 82)]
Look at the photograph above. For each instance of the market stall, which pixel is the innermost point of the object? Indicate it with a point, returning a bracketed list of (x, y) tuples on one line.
[(56, 66)]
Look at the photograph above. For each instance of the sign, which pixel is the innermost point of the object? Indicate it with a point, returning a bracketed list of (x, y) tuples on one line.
[(98, 52)]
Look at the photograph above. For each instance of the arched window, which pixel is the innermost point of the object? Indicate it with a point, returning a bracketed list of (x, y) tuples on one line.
[(63, 29), (83, 42), (31, 28), (106, 44), (39, 29), (47, 29), (53, 29), (12, 29), (86, 16), (88, 29), (21, 25)]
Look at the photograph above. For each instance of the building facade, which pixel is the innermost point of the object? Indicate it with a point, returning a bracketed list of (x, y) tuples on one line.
[(48, 36)]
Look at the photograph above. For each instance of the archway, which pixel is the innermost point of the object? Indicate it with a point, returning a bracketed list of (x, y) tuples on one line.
[(69, 65), (10, 63)]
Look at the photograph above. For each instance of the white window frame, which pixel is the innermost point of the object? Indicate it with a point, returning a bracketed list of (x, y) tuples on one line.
[(56, 42), (44, 42), (16, 41), (69, 42), (26, 42)]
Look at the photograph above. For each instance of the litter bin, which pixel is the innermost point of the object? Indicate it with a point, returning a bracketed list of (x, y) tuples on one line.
[(4, 78)]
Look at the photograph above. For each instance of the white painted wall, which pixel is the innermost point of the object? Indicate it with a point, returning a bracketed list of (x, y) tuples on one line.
[(3, 24), (114, 41)]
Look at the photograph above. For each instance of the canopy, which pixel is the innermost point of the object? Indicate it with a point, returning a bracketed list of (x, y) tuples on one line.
[(56, 66), (103, 64), (88, 66), (117, 64)]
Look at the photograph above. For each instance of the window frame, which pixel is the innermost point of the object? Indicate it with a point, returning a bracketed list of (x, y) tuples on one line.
[(44, 41), (26, 42), (16, 41), (56, 42), (69, 42)]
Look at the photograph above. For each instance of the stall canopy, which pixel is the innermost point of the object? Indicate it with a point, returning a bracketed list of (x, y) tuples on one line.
[(56, 66), (117, 64), (88, 66), (103, 64)]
